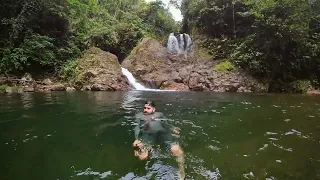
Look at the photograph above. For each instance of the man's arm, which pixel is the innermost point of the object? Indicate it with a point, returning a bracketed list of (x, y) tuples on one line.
[(137, 128)]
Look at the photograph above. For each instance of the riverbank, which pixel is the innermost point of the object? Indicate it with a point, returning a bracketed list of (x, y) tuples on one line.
[(13, 84)]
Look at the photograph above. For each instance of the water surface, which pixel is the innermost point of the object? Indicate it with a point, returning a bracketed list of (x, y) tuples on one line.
[(89, 135)]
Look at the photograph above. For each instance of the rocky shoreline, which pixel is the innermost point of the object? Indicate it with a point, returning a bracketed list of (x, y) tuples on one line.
[(151, 64), (28, 84), (48, 85)]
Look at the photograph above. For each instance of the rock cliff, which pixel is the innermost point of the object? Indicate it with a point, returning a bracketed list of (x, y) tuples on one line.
[(154, 66)]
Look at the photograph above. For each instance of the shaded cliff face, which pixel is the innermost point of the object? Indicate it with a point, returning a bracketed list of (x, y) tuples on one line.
[(152, 65), (98, 70)]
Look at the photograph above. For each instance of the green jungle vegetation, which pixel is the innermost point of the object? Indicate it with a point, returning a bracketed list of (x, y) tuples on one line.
[(40, 36), (277, 41)]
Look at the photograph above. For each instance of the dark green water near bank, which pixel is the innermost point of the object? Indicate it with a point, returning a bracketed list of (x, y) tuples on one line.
[(89, 135)]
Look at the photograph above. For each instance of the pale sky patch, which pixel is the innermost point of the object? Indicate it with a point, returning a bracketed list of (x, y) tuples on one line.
[(174, 11)]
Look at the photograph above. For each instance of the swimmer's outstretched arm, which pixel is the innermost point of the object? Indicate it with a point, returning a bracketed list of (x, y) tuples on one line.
[(141, 152), (137, 129)]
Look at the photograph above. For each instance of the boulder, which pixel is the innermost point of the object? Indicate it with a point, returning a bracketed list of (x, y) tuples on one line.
[(86, 88), (243, 89), (27, 77), (70, 89), (47, 81), (313, 92), (26, 80), (9, 90), (171, 85), (57, 87), (21, 90), (100, 71), (28, 89), (53, 87)]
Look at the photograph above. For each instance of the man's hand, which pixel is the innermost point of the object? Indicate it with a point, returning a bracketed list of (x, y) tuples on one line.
[(142, 153), (176, 131), (137, 143)]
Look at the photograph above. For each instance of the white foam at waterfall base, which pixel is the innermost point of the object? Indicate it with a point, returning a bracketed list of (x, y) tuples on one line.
[(134, 82)]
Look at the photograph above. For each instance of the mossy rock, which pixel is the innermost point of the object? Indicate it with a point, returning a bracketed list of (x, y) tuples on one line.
[(225, 67), (99, 68)]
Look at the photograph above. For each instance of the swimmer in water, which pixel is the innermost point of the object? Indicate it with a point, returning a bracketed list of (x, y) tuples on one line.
[(152, 128)]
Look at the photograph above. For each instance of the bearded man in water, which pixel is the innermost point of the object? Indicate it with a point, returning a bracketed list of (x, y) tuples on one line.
[(152, 128)]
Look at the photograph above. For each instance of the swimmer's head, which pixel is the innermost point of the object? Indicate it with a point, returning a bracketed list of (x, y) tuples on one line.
[(149, 107)]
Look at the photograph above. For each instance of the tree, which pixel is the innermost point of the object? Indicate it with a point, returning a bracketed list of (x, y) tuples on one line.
[(277, 40), (41, 36)]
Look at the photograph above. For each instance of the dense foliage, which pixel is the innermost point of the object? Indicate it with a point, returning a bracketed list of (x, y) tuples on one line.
[(42, 36), (277, 40)]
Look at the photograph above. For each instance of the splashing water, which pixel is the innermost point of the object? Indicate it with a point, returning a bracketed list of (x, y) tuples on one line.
[(179, 44)]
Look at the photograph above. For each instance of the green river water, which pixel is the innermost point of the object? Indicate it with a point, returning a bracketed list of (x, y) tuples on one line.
[(89, 135)]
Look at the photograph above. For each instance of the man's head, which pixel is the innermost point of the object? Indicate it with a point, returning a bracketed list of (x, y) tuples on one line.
[(149, 107)]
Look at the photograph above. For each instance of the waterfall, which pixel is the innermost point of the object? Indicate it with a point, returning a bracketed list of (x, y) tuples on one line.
[(173, 44), (188, 43), (179, 44), (134, 82)]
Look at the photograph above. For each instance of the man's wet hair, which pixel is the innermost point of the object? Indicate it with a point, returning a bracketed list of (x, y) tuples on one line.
[(151, 103)]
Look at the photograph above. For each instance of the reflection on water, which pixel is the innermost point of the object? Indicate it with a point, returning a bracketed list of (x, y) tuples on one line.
[(89, 135)]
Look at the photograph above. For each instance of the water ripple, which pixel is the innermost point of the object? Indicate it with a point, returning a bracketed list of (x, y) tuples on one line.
[(264, 147), (281, 147), (298, 133), (89, 171)]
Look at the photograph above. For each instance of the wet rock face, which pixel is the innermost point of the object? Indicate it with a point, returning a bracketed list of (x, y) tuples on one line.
[(171, 85), (148, 62), (151, 64)]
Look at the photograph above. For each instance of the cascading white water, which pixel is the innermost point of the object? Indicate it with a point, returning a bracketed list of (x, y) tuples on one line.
[(181, 43), (132, 80), (189, 42), (181, 46), (173, 44)]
